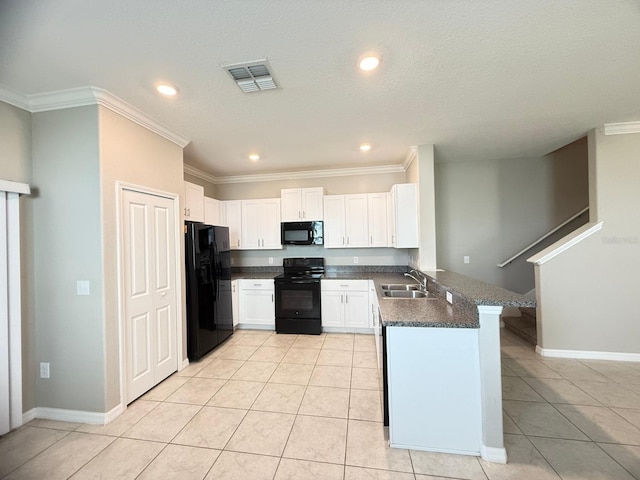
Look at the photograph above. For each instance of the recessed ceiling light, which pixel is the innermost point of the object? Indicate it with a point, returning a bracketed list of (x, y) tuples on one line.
[(254, 157), (365, 147), (167, 89), (369, 62)]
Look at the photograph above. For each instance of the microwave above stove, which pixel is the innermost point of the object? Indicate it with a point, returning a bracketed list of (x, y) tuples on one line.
[(301, 233)]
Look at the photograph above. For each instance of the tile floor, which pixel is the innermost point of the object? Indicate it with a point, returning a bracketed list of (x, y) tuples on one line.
[(266, 406)]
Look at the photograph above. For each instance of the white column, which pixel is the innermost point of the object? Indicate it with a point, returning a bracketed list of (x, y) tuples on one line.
[(492, 448)]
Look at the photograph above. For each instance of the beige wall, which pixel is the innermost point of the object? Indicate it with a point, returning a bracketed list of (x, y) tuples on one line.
[(333, 186), (67, 236), (489, 210), (587, 294), (15, 138), (133, 154)]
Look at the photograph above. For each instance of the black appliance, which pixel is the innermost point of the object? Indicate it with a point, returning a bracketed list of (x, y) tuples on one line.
[(208, 273), (301, 233), (298, 296)]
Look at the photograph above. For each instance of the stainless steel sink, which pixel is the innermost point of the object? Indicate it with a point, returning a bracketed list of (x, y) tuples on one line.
[(401, 286), (407, 294)]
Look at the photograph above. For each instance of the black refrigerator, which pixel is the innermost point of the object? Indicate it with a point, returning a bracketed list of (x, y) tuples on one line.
[(208, 273)]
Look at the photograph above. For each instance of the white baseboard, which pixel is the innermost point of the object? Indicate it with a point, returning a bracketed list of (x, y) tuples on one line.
[(75, 416), (493, 454), (364, 331), (255, 326), (185, 364), (588, 355)]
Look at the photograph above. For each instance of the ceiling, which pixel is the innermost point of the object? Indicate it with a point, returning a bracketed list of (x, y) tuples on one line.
[(478, 79)]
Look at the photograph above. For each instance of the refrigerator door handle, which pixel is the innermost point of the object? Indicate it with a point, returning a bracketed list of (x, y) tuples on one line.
[(216, 273)]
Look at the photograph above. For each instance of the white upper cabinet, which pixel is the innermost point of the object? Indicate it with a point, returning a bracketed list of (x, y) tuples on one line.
[(377, 207), (261, 224), (231, 213), (193, 202), (355, 221), (212, 211), (403, 213), (334, 236), (301, 204)]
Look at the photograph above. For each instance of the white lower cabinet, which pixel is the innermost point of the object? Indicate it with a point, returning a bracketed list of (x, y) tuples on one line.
[(345, 305), (256, 304), (235, 294)]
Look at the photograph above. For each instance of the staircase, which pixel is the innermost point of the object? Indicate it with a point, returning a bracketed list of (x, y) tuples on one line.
[(523, 326)]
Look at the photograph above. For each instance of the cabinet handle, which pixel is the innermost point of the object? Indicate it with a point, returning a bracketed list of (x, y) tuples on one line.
[(299, 215), (344, 285), (272, 298), (346, 299), (257, 284), (303, 215), (341, 298), (343, 240), (371, 237), (238, 243), (347, 239)]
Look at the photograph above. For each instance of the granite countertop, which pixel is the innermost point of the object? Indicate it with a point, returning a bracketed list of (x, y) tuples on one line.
[(433, 311)]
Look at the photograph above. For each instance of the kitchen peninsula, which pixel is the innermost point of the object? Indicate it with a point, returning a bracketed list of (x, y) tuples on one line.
[(443, 365)]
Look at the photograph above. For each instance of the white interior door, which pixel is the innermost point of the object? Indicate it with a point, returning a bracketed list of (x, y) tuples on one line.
[(150, 290)]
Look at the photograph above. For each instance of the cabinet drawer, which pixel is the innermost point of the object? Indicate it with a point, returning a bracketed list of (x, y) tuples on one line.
[(345, 285), (256, 284)]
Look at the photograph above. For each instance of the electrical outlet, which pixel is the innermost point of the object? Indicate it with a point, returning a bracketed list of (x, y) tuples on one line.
[(83, 287), (449, 297), (270, 260), (466, 259), (355, 259), (44, 369)]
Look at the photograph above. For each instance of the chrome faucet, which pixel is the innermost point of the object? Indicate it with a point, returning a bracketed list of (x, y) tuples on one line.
[(422, 280)]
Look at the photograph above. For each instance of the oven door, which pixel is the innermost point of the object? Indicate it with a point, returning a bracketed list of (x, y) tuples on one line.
[(297, 299)]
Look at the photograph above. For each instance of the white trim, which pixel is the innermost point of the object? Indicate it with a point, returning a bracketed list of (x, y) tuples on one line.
[(120, 187), (358, 330), (431, 449), (114, 413), (185, 364), (621, 128), (255, 326), (493, 454), (29, 415), (63, 415), (269, 177), (565, 244), (588, 355), (411, 156), (14, 187), (84, 96)]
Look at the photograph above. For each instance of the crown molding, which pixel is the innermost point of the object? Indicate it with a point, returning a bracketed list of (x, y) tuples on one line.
[(412, 154), (621, 128), (268, 177), (84, 96)]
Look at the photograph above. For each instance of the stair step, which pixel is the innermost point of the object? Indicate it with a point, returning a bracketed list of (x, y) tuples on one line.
[(524, 327)]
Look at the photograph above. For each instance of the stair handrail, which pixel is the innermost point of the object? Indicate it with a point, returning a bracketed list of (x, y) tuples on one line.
[(551, 232)]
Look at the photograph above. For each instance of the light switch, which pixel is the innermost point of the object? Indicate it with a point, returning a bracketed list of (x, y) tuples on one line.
[(83, 287)]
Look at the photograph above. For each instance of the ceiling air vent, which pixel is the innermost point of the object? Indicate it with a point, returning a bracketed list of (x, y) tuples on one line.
[(252, 76)]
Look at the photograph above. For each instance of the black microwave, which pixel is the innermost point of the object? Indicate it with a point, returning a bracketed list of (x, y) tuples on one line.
[(301, 233)]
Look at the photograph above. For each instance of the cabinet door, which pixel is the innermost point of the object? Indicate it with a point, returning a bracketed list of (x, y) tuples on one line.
[(334, 221), (232, 218), (251, 222), (211, 211), (356, 306), (332, 308), (193, 202), (235, 302), (356, 220), (257, 307), (312, 203), (377, 212), (291, 204), (270, 223), (406, 215)]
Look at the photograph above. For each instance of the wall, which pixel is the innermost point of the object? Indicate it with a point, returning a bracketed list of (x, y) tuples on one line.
[(587, 295), (68, 247), (16, 166), (132, 154), (489, 210)]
